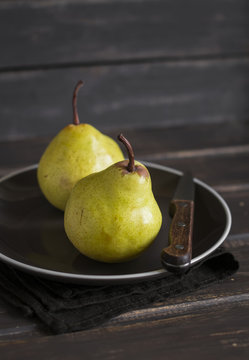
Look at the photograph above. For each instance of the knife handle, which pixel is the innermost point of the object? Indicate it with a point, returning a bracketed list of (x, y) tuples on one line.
[(177, 256)]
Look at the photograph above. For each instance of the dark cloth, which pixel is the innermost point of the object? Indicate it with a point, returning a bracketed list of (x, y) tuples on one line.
[(68, 307)]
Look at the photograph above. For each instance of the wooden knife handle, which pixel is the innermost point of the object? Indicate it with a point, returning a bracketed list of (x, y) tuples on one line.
[(177, 256)]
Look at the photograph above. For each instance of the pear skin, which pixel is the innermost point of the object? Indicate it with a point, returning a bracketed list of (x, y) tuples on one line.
[(112, 216), (77, 151)]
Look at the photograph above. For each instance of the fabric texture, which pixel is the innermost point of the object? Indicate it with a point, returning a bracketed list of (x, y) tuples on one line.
[(64, 307)]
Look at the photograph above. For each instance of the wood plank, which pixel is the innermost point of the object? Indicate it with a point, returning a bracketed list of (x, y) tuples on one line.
[(67, 32), (220, 171), (38, 103), (223, 330), (219, 324), (223, 171), (184, 141), (14, 326), (215, 333), (148, 143)]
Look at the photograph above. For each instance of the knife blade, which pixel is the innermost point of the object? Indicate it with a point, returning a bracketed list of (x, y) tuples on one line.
[(177, 256)]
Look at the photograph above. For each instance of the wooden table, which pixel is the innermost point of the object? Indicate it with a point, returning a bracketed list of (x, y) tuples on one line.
[(208, 323), (178, 89)]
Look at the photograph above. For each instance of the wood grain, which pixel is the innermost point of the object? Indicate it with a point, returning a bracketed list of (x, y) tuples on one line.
[(38, 103), (38, 33), (215, 318), (223, 170), (152, 143), (155, 339), (219, 171), (179, 251)]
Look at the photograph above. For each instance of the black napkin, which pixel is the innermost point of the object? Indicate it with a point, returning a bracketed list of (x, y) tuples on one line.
[(68, 307)]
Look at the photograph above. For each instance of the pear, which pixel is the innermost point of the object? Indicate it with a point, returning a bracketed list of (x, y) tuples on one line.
[(77, 151), (112, 216)]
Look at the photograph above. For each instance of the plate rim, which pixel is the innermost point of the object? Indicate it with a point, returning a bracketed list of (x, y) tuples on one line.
[(134, 276)]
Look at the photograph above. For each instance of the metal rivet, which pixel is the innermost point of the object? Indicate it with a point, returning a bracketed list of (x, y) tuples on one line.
[(180, 223), (179, 247)]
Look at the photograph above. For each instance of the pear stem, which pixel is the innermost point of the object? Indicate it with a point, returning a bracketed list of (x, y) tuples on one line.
[(131, 164), (75, 111)]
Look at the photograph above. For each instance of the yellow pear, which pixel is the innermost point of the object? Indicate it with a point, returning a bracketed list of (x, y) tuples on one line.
[(77, 151), (112, 215)]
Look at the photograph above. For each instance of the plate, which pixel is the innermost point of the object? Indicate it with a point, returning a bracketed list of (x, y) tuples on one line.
[(32, 236)]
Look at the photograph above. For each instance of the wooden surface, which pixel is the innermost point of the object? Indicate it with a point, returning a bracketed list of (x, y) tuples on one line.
[(215, 318), (59, 32), (129, 95), (174, 78), (144, 63)]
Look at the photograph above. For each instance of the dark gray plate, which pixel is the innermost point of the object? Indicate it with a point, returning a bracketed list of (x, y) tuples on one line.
[(32, 236)]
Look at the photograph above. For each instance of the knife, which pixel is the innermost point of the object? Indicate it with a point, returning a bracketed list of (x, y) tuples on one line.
[(177, 256)]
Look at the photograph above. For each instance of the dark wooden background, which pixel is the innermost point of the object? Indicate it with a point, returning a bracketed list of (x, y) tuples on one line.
[(144, 63), (173, 76)]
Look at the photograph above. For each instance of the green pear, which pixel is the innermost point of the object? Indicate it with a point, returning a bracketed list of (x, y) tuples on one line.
[(77, 151), (112, 215)]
